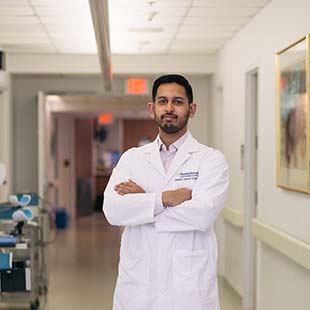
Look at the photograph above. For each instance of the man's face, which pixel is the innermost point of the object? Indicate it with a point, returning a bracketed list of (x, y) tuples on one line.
[(171, 109)]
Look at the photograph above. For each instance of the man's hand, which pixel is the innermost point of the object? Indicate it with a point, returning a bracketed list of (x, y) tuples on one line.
[(129, 187), (176, 197)]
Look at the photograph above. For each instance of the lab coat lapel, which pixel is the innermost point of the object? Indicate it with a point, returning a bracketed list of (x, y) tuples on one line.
[(153, 156), (186, 150)]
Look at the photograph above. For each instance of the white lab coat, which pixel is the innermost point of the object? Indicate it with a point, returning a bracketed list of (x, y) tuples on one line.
[(168, 261)]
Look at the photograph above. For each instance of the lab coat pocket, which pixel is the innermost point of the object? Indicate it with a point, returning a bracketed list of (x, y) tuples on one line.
[(193, 271), (134, 268)]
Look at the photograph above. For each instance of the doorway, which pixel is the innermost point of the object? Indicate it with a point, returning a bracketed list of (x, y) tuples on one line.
[(75, 141)]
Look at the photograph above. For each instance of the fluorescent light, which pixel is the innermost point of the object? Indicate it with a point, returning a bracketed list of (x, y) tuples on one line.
[(100, 17)]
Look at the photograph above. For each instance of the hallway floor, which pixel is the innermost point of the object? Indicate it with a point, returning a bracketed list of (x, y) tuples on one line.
[(83, 268)]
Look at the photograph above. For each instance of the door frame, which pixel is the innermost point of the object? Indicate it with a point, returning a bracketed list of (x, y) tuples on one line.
[(49, 106), (250, 188)]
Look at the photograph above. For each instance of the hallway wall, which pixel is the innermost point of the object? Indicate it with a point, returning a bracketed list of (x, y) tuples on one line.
[(2, 129), (25, 88), (5, 132), (282, 284)]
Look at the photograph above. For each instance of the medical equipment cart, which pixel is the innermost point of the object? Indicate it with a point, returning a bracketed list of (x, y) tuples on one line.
[(24, 284)]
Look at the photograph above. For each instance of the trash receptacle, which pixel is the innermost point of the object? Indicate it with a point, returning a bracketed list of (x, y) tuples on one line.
[(61, 218)]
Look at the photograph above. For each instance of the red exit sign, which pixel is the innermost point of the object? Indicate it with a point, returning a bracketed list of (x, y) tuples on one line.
[(137, 86)]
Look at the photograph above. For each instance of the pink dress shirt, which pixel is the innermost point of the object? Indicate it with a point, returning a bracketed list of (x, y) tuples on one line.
[(167, 156)]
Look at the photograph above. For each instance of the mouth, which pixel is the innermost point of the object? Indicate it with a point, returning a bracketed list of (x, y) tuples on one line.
[(168, 117)]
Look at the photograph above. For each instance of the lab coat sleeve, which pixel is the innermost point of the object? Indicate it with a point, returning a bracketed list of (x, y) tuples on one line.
[(130, 209), (159, 207), (208, 198)]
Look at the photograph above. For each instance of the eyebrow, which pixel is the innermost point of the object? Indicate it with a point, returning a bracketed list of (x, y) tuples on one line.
[(164, 97)]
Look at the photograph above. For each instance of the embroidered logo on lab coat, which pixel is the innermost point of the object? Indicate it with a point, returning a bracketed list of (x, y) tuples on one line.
[(187, 176)]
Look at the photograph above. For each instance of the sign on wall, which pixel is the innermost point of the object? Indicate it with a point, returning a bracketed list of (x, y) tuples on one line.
[(137, 86)]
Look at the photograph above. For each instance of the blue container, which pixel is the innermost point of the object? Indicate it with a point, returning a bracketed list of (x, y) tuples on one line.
[(6, 261), (61, 218), (114, 158), (34, 198)]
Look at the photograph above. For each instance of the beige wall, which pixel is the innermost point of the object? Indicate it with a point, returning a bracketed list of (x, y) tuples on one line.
[(5, 132), (281, 284), (199, 125), (2, 192)]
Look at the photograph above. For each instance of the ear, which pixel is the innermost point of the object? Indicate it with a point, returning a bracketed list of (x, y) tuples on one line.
[(151, 106), (192, 109)]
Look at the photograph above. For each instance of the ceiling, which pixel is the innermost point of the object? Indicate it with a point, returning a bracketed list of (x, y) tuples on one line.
[(158, 27)]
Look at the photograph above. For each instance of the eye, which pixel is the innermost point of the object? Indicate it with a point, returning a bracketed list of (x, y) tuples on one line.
[(178, 102), (161, 101)]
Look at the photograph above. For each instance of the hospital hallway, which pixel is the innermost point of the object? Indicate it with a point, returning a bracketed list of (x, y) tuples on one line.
[(83, 268)]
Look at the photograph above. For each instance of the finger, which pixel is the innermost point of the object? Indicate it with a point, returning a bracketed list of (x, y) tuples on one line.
[(118, 185), (131, 186), (122, 183), (120, 192), (128, 188), (121, 189), (118, 189)]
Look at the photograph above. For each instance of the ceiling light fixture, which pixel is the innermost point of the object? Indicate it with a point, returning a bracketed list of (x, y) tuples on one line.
[(100, 17), (150, 15), (151, 3)]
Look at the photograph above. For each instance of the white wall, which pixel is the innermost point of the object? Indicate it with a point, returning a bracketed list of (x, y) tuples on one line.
[(89, 64), (2, 129), (202, 89), (5, 132), (282, 284)]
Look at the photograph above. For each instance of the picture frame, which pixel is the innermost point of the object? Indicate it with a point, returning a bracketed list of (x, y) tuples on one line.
[(292, 94)]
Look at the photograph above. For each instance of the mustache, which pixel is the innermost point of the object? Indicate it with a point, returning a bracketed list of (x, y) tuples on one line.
[(168, 114)]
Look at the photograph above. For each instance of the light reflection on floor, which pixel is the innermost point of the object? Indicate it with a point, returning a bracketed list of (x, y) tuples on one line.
[(83, 267)]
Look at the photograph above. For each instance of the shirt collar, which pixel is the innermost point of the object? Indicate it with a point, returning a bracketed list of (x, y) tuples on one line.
[(176, 144)]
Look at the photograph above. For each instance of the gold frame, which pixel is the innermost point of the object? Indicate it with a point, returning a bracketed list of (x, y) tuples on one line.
[(302, 174)]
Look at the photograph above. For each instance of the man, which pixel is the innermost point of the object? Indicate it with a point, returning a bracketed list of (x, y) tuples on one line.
[(168, 194)]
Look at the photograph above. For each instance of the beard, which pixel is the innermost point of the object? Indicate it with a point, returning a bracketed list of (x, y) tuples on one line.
[(170, 128)]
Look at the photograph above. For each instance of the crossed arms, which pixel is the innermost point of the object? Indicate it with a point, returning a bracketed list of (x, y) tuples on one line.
[(126, 203), (170, 198)]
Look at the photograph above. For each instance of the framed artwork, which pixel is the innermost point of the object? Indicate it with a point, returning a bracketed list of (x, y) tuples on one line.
[(292, 77)]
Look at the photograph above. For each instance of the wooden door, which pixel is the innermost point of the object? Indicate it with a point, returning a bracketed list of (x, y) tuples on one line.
[(137, 130), (83, 167)]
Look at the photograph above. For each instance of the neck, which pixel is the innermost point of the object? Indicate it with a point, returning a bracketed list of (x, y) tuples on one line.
[(168, 139)]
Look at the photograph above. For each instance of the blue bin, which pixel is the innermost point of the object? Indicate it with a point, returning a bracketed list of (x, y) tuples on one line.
[(61, 218)]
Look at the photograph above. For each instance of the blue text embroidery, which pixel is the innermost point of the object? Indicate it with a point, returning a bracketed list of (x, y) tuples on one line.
[(187, 176)]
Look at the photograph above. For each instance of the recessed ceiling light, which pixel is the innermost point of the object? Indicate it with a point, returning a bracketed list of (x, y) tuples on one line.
[(150, 2), (150, 15)]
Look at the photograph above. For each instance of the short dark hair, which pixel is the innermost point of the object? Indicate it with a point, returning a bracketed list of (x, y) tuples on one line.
[(173, 78)]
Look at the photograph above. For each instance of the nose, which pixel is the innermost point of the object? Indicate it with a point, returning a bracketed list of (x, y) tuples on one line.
[(169, 106)]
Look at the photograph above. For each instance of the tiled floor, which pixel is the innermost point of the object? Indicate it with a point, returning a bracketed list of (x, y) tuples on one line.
[(83, 268)]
